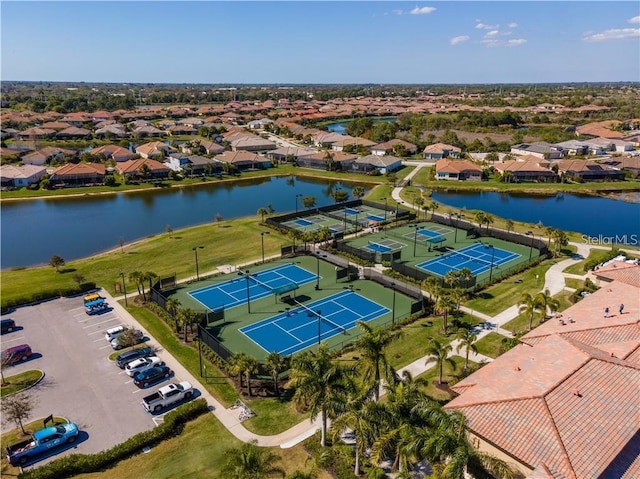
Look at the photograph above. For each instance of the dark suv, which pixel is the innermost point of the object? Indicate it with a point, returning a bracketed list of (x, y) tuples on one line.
[(8, 325), (127, 357), (16, 354)]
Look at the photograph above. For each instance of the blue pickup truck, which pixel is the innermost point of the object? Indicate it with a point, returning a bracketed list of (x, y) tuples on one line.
[(42, 441)]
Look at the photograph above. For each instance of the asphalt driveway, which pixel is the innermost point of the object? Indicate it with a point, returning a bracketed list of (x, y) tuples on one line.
[(81, 383)]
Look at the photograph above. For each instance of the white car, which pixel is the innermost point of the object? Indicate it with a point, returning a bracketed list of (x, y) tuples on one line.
[(142, 364)]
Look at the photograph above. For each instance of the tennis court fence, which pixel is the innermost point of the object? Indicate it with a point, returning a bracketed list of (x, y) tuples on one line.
[(369, 256), (214, 344)]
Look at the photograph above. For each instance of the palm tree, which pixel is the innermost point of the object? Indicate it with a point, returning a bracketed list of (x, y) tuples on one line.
[(438, 352), (372, 345), (365, 418), (173, 306), (434, 206), (251, 462), (235, 365), (250, 366), (357, 192), (546, 303), (262, 212), (466, 339), (560, 239), (479, 217), (509, 225), (444, 303), (276, 363), (528, 305), (151, 277), (549, 231), (137, 278), (188, 317), (321, 384), (419, 204), (488, 220), (295, 235)]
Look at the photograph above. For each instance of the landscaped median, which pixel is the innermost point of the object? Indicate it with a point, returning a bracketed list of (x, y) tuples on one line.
[(20, 382)]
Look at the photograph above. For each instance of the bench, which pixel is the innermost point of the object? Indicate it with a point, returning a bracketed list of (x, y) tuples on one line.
[(285, 298)]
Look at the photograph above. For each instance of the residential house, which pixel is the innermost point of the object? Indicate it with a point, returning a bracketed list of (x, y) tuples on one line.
[(78, 174), (113, 129), (523, 171), (438, 151), (181, 130), (540, 149), (12, 176), (148, 130), (154, 149), (259, 124), (459, 170), (633, 138), (113, 152), (287, 153), (324, 139), (210, 147), (244, 160), (327, 160), (133, 168), (612, 144), (588, 170), (36, 133), (565, 402), (193, 164), (73, 132), (55, 125), (250, 143), (573, 147), (193, 122), (392, 146), (384, 164), (47, 154), (625, 163), (600, 128), (352, 142)]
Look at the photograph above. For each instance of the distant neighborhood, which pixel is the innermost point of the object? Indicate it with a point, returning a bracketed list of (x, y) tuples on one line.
[(153, 144)]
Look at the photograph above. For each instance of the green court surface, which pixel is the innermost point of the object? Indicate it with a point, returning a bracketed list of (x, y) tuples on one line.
[(428, 248), (237, 317), (340, 219)]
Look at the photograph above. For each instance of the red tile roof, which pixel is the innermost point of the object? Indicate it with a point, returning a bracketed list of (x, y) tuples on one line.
[(620, 271)]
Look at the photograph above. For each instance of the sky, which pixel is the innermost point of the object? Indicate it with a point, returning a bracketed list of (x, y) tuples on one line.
[(375, 42)]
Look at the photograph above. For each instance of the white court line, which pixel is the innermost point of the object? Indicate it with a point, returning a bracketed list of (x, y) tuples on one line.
[(282, 329)]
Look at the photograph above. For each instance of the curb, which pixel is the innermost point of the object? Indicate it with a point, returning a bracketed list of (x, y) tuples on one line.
[(28, 387)]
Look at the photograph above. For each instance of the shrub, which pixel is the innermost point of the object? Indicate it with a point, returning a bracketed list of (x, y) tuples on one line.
[(87, 463), (47, 294), (592, 263)]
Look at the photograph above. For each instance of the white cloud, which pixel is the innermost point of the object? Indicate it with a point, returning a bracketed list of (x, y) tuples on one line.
[(490, 42), (492, 33), (398, 12), (514, 42), (459, 39), (634, 19), (613, 34), (513, 25), (423, 10), (484, 26)]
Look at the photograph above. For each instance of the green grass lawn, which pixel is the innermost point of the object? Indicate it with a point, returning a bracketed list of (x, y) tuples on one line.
[(163, 254), (573, 283), (490, 345), (449, 374), (198, 453), (20, 381), (14, 436), (594, 255), (273, 415), (521, 322)]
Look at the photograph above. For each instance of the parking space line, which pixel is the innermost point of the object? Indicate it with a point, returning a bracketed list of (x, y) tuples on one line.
[(76, 309), (115, 318), (130, 381), (136, 391), (19, 338), (96, 332), (105, 347)]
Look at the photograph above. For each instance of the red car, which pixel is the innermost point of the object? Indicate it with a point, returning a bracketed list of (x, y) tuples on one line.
[(16, 354)]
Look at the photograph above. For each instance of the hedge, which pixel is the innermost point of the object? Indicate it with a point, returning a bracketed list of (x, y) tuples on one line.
[(44, 295), (75, 464)]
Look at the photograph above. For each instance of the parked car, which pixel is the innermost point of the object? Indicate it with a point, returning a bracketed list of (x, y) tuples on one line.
[(124, 340), (113, 333), (151, 375), (96, 307), (142, 364), (8, 325), (41, 441), (123, 359), (16, 354), (167, 396)]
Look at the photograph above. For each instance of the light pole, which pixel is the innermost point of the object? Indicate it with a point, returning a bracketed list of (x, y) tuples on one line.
[(397, 209), (246, 275), (124, 289), (318, 269), (493, 252), (318, 315), (392, 286), (530, 233), (262, 241), (385, 208), (415, 238), (345, 221), (195, 250), (299, 195), (458, 216), (357, 224)]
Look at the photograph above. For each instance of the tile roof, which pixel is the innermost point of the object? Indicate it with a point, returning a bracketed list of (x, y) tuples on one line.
[(440, 148), (133, 166), (388, 145), (628, 273), (72, 169), (535, 166), (447, 165)]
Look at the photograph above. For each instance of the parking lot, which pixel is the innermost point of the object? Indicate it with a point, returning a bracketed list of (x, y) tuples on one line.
[(80, 383)]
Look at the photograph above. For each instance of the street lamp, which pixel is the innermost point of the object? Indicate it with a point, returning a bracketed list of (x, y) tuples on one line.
[(385, 208), (493, 251), (530, 233), (392, 286), (262, 241), (415, 238), (124, 289), (319, 315), (318, 254), (299, 195), (458, 216), (246, 275), (195, 250), (397, 209)]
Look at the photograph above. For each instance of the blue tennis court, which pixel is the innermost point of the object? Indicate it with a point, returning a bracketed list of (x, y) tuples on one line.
[(290, 332), (261, 284), (428, 233), (378, 248), (301, 222), (375, 218), (352, 212), (477, 258)]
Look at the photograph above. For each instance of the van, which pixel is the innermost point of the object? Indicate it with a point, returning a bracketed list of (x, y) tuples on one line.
[(16, 354), (91, 297), (113, 333)]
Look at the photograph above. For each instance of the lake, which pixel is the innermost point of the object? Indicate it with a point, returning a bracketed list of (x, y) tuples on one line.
[(601, 219), (33, 231), (340, 126)]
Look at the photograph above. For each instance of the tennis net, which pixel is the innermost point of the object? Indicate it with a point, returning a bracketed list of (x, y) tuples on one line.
[(260, 283), (317, 314), (458, 254)]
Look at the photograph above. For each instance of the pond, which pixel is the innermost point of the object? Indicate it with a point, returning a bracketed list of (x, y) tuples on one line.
[(601, 220), (33, 231), (341, 126)]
